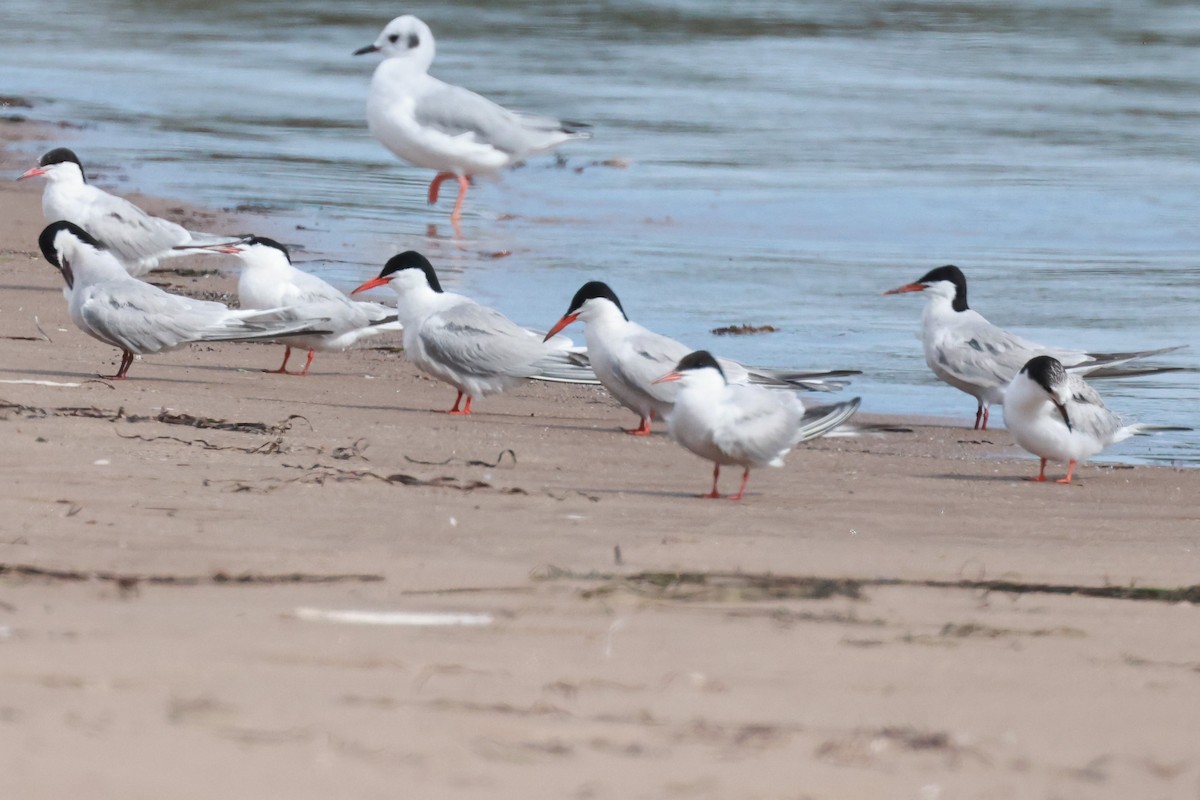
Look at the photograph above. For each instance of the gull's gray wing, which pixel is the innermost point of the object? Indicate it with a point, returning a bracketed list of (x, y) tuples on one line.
[(476, 340), (455, 112)]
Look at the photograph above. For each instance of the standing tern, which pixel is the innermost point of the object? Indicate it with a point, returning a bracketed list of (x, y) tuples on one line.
[(268, 280), (971, 354), (627, 358), (475, 349), (1058, 416), (742, 424), (138, 240), (108, 304), (445, 127)]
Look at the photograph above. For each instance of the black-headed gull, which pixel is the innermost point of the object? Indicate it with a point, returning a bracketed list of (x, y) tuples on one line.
[(444, 127)]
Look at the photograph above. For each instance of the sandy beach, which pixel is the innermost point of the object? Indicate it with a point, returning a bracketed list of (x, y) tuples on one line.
[(891, 616)]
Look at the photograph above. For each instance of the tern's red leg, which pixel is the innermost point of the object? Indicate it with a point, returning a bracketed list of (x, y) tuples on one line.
[(983, 427), (742, 491), (713, 495), (1041, 475), (978, 415), (466, 409), (287, 353), (436, 184), (126, 362), (463, 185), (642, 429), (1070, 472), (308, 363)]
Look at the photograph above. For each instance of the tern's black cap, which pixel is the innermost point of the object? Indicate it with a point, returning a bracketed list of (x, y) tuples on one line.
[(595, 290), (411, 259), (954, 275), (46, 239)]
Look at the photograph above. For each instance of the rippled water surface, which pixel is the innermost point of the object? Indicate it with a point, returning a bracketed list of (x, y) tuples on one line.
[(787, 162)]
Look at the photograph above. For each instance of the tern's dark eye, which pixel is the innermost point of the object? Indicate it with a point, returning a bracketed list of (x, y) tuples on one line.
[(395, 37), (413, 40)]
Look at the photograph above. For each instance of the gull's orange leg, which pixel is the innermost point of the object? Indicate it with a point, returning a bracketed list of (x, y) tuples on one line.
[(436, 184), (463, 185), (713, 495), (643, 429), (1070, 472), (742, 491), (1041, 475)]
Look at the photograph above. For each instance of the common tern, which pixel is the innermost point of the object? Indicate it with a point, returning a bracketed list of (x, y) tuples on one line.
[(971, 354), (107, 303), (137, 240), (1058, 416), (268, 280), (444, 127), (742, 424), (475, 349), (628, 358)]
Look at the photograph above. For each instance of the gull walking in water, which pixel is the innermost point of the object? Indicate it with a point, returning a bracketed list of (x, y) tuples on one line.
[(108, 304), (628, 358), (1057, 416), (971, 354), (445, 127), (475, 349), (136, 239), (268, 280), (741, 424)]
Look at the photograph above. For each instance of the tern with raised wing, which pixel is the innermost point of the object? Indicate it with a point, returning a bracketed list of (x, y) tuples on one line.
[(136, 239), (108, 304), (1058, 416), (971, 354), (741, 424), (444, 127), (269, 280), (475, 349), (628, 358)]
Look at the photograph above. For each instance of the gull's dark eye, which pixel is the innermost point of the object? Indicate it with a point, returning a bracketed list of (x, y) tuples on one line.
[(413, 40), (395, 37)]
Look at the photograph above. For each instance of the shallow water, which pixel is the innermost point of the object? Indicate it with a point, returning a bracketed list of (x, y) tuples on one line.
[(787, 162)]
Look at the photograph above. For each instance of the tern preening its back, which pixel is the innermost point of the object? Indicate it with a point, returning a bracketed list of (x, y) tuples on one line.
[(268, 280), (107, 303), (742, 424), (136, 239), (1058, 416), (475, 349), (444, 127), (971, 354), (628, 358)]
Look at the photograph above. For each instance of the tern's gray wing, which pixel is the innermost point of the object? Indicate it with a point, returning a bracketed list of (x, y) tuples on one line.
[(980, 354), (130, 233), (475, 340), (759, 426), (141, 318), (455, 111), (645, 357), (1088, 413)]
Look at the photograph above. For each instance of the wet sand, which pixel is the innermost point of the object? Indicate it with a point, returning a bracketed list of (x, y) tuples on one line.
[(893, 616)]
